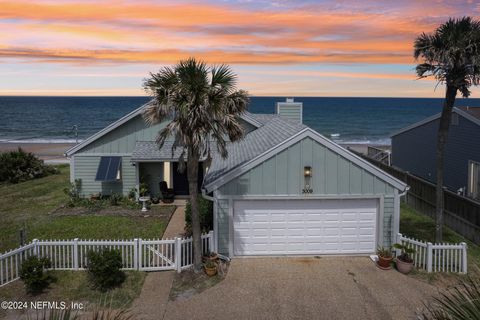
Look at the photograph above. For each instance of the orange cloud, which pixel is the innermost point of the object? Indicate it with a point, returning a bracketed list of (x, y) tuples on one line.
[(142, 32)]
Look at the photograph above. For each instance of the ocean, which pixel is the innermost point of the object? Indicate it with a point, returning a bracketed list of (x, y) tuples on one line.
[(345, 120)]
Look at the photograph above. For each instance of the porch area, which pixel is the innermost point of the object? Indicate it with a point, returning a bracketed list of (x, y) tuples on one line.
[(154, 165)]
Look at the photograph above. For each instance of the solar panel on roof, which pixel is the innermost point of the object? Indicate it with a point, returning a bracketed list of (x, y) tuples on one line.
[(108, 169)]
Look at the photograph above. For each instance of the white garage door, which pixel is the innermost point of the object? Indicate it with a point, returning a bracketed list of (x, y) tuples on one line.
[(279, 227)]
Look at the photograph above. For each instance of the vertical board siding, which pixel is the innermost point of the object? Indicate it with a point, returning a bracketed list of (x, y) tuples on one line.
[(414, 151), (223, 226), (123, 138), (283, 175), (388, 212), (86, 169)]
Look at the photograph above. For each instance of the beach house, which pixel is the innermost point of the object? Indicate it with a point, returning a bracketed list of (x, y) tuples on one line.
[(283, 190), (414, 150)]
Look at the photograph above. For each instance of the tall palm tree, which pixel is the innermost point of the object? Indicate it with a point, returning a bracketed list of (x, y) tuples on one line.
[(451, 54), (202, 106)]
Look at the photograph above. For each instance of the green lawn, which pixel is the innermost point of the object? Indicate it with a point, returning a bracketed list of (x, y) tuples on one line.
[(31, 205), (416, 225)]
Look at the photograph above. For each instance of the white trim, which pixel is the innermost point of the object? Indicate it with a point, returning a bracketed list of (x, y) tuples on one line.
[(215, 221), (105, 154), (396, 216), (137, 179), (247, 117), (460, 112), (310, 133), (105, 130), (230, 228), (72, 169)]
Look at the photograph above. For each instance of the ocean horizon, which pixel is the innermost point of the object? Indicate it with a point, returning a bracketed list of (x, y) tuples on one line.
[(347, 120)]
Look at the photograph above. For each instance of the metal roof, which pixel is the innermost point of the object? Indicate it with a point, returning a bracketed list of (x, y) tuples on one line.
[(274, 131)]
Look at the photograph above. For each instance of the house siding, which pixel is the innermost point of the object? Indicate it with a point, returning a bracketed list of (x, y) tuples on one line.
[(85, 169), (282, 175), (415, 151), (123, 138)]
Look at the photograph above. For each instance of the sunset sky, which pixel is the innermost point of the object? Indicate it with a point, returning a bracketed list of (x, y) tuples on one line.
[(285, 48)]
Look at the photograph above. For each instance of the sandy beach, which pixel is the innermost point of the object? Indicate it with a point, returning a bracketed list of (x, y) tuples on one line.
[(49, 152), (53, 152)]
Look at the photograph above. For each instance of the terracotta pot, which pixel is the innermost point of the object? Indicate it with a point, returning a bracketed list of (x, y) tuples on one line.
[(211, 271), (384, 263), (404, 267)]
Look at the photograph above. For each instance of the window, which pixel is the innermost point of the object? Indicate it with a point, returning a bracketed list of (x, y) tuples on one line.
[(454, 121), (109, 169), (474, 179)]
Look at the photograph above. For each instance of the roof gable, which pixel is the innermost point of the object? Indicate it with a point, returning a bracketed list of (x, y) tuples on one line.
[(249, 118), (458, 111), (224, 178)]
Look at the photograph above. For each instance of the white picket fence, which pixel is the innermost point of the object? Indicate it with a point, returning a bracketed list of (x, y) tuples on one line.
[(436, 257), (137, 254)]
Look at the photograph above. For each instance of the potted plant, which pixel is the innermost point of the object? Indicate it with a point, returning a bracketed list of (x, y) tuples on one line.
[(404, 261), (210, 268), (210, 256), (384, 258)]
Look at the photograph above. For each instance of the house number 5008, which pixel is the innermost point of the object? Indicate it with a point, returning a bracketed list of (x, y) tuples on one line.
[(307, 190)]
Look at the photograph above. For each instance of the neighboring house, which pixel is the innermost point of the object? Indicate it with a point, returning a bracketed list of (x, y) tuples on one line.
[(284, 189), (414, 150)]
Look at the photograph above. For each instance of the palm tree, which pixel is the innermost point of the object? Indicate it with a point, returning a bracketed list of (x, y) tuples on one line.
[(451, 55), (202, 106)]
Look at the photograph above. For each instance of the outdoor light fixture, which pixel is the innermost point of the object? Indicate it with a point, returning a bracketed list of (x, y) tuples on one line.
[(307, 171)]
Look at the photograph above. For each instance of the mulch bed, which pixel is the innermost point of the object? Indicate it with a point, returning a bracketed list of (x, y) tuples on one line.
[(158, 211)]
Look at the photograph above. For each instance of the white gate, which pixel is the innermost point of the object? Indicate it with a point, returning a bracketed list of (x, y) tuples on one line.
[(137, 254)]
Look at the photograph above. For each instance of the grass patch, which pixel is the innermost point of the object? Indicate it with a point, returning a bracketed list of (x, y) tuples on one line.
[(73, 286), (38, 206), (422, 227)]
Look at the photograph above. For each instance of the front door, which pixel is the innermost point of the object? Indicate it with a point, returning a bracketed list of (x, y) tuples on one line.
[(180, 181)]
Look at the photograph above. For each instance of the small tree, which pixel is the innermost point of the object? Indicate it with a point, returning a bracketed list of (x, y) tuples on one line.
[(451, 55)]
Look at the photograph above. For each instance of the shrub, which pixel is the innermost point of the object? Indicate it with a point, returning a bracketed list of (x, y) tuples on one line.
[(104, 269), (206, 215), (73, 193), (18, 166), (34, 275), (115, 199)]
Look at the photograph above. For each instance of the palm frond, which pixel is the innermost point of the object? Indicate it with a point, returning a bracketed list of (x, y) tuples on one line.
[(451, 54)]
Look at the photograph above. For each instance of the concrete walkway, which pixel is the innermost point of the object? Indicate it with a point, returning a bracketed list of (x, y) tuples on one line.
[(153, 299)]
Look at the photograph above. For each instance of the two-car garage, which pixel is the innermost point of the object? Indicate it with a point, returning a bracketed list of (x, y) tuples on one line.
[(313, 226)]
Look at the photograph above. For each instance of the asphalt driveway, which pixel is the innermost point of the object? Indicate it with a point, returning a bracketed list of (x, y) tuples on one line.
[(306, 288)]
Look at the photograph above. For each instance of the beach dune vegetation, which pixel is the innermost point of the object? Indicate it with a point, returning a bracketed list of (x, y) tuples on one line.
[(451, 54), (19, 166)]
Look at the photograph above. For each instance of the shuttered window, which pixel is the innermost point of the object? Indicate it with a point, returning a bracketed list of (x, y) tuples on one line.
[(109, 169)]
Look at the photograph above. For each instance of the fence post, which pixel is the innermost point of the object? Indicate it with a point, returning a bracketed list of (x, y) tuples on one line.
[(211, 246), (136, 264), (464, 257), (429, 256), (75, 254), (178, 254), (35, 247)]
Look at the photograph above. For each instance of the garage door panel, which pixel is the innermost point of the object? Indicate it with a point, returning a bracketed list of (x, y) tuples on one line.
[(304, 227)]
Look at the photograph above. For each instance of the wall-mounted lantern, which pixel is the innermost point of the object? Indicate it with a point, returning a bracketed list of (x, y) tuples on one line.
[(307, 171)]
